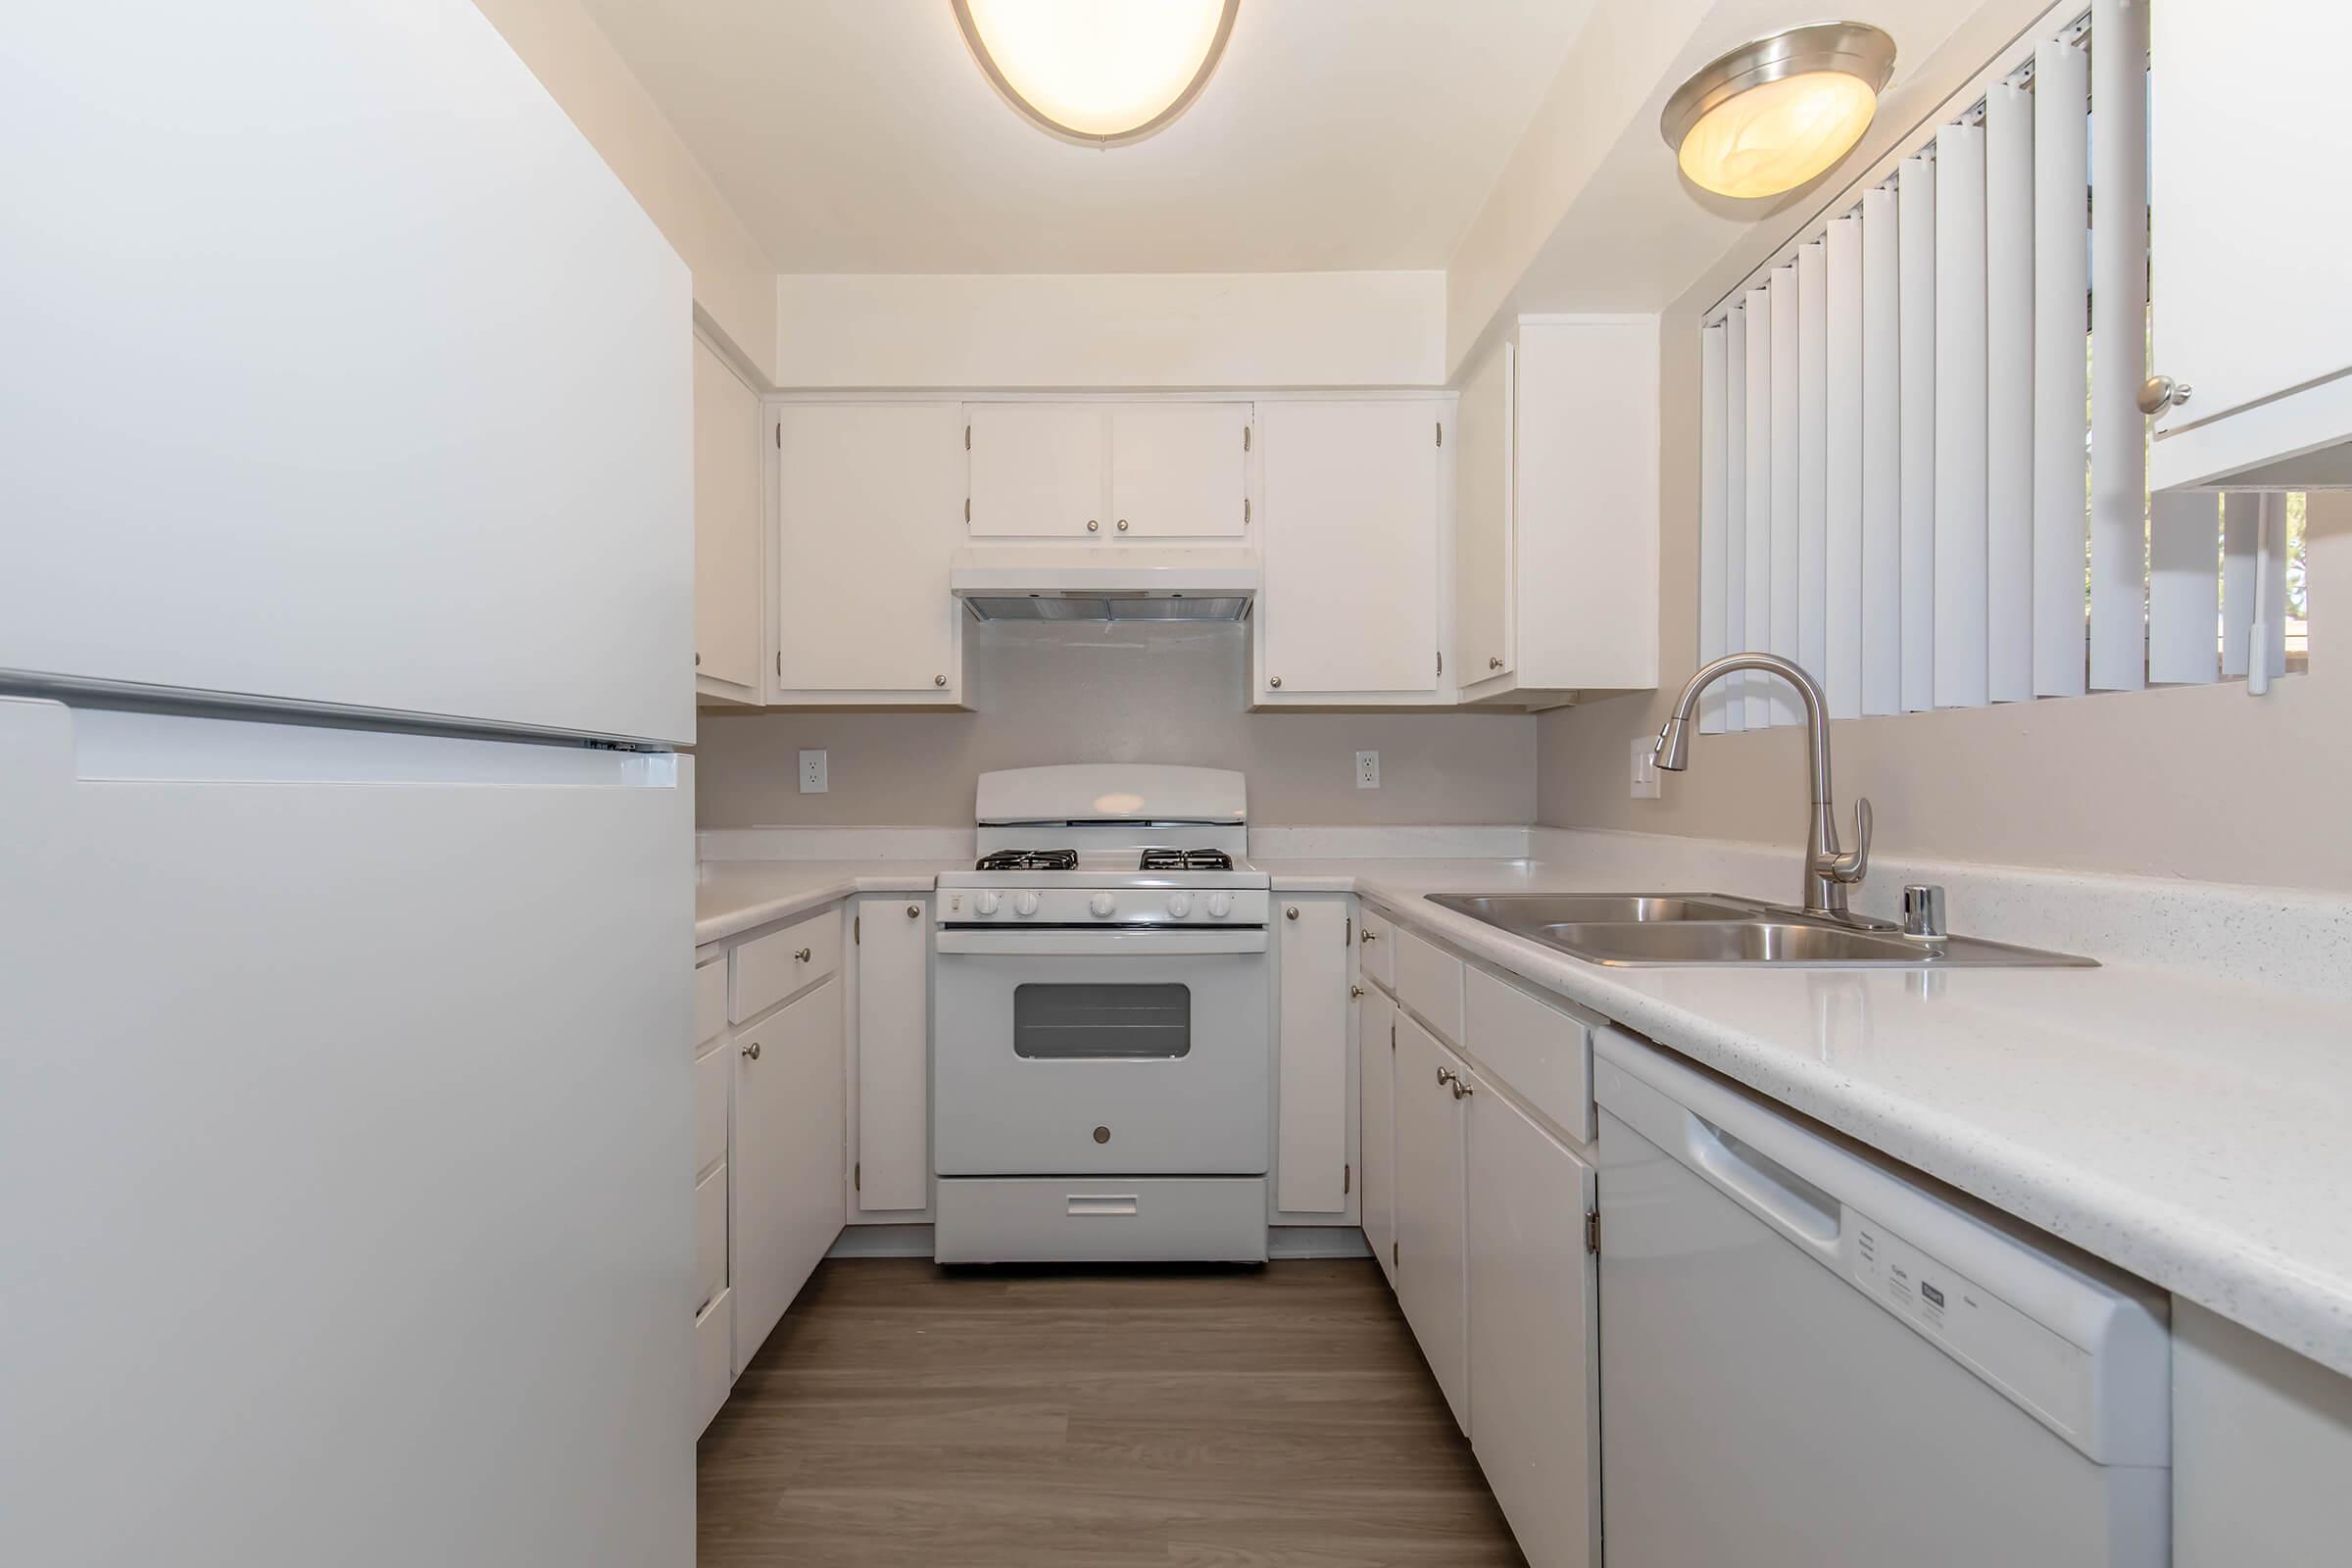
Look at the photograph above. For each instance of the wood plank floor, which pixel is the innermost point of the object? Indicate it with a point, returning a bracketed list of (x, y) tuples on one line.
[(904, 1413)]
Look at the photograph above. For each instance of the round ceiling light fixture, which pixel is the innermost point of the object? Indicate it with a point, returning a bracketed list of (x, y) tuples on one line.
[(1103, 72), (1777, 111)]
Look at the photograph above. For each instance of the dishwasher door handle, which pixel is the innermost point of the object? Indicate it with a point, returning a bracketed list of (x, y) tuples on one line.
[(1764, 1187)]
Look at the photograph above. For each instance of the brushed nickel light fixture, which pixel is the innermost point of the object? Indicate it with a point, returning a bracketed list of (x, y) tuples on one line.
[(1777, 111), (1102, 72)]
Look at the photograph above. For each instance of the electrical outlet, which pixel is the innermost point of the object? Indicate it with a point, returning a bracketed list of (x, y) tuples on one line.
[(1367, 771), (1645, 768), (813, 773)]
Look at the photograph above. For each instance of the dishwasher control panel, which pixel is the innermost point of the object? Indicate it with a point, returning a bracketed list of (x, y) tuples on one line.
[(2034, 1365)]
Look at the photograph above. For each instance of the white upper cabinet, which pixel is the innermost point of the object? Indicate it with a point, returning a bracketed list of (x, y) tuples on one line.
[(1556, 525), (2245, 120), (1037, 469), (1179, 470), (1349, 607), (340, 369), (727, 596), (869, 510), (1482, 521)]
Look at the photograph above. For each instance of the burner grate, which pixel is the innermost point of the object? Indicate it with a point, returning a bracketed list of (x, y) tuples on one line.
[(1028, 861), (1187, 860)]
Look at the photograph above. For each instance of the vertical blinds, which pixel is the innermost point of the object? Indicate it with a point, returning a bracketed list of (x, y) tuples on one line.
[(1919, 480)]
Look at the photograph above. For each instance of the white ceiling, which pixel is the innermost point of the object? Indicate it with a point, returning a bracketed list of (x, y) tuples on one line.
[(859, 136)]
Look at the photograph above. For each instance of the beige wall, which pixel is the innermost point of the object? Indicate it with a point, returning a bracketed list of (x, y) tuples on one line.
[(2197, 781), (734, 283), (1080, 694)]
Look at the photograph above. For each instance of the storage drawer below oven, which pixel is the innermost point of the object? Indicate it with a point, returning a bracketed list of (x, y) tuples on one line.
[(1154, 1219)]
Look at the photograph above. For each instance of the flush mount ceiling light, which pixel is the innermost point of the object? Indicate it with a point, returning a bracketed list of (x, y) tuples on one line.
[(1098, 71), (1777, 111)]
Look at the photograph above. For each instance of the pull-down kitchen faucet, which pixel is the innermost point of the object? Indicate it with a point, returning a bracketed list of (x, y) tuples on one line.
[(1828, 872)]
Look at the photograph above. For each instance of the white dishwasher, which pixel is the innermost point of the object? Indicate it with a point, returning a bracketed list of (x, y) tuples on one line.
[(1808, 1360)]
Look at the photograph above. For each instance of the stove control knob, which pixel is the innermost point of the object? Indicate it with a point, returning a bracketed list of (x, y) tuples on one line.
[(1180, 904), (1101, 905), (1024, 904), (1219, 905), (987, 903)]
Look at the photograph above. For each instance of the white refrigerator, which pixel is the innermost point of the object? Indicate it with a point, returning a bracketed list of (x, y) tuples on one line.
[(346, 864)]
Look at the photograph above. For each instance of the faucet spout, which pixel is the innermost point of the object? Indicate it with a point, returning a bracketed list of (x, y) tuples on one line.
[(1829, 869)]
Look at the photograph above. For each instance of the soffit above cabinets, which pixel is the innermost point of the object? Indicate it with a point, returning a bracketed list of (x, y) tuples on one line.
[(859, 136)]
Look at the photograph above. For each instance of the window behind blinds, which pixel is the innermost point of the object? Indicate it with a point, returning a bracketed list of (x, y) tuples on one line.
[(1924, 466)]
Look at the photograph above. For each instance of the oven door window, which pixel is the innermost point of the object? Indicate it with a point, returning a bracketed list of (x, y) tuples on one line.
[(1102, 1022)]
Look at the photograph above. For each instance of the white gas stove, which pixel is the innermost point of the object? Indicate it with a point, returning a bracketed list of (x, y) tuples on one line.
[(1101, 1057)]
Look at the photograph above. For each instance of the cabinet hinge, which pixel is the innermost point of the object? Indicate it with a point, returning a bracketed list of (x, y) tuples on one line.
[(1440, 432), (779, 435), (858, 1177), (856, 929), (1245, 511), (967, 509), (1350, 939), (1346, 1178), (967, 438), (1441, 660), (1244, 438), (779, 663), (1592, 1231), (1391, 1254)]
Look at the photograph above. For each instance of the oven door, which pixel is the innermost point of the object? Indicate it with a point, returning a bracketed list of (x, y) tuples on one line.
[(1101, 1052)]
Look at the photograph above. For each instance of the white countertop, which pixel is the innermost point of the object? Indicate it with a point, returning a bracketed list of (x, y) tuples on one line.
[(2195, 1131)]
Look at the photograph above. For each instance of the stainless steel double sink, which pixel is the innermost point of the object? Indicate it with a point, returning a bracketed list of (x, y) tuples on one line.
[(1640, 930)]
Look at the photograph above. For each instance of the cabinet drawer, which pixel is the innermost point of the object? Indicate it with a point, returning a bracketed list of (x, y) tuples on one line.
[(1210, 1219), (770, 969), (713, 1357), (1378, 941), (714, 1074), (711, 1237), (1543, 1053), (710, 1000), (1429, 981)]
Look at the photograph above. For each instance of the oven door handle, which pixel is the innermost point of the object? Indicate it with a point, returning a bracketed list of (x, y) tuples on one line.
[(1085, 942)]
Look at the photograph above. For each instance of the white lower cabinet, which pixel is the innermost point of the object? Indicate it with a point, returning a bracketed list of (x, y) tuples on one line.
[(1432, 1240), (790, 1157), (889, 1170), (1376, 1053), (1314, 1141), (1532, 1350)]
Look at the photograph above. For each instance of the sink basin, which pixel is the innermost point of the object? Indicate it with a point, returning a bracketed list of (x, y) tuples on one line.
[(1530, 913), (1664, 929)]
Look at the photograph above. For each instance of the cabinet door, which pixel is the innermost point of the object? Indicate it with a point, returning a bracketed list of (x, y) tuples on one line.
[(1312, 1160), (790, 1138), (1432, 1284), (726, 523), (2246, 113), (1037, 469), (894, 1058), (1350, 602), (868, 514), (1375, 1052), (1482, 521), (1532, 1353), (1178, 469)]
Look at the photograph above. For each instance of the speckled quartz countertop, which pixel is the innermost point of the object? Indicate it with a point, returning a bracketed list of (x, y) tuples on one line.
[(2194, 1130)]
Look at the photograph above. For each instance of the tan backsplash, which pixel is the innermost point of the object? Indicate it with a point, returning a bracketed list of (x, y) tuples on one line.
[(1070, 693), (2193, 781)]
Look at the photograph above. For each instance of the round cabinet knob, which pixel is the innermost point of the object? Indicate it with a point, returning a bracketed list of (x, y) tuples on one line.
[(1495, 663), (1122, 525), (801, 956), (1180, 904), (914, 911), (939, 680), (2161, 392), (986, 903), (1291, 914), (1220, 904), (1355, 990), (753, 1051), (1024, 904), (1101, 905), (1275, 681), (1093, 526)]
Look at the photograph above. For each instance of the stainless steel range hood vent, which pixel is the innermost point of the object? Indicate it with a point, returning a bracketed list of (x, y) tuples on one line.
[(1104, 582)]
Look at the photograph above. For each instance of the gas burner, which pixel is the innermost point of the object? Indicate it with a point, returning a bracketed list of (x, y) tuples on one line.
[(1028, 861), (1187, 860)]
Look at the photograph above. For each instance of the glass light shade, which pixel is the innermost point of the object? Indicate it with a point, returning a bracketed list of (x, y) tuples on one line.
[(1776, 136), (1100, 72)]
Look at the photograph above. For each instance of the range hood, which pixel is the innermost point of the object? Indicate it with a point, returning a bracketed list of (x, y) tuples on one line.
[(1104, 582)]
